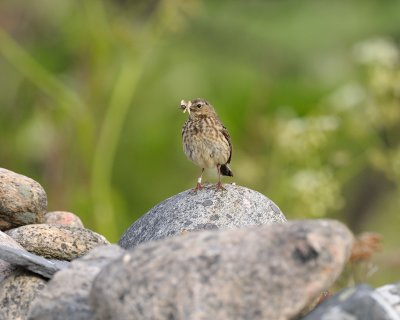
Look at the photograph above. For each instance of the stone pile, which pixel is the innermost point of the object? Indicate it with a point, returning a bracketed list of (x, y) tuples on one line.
[(209, 255), (34, 243)]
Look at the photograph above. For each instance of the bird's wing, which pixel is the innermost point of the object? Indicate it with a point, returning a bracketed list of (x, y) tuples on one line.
[(228, 138)]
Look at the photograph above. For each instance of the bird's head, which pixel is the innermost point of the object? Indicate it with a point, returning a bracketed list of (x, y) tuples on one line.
[(197, 108)]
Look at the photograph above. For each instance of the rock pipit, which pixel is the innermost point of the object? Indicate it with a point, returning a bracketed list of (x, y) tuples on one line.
[(206, 141)]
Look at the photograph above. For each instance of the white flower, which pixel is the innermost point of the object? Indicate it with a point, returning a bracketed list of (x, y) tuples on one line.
[(379, 51), (317, 191), (348, 97)]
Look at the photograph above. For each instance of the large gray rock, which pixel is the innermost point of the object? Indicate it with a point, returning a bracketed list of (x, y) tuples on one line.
[(16, 294), (357, 303), (57, 241), (22, 200), (5, 267), (204, 210), (263, 272), (67, 294)]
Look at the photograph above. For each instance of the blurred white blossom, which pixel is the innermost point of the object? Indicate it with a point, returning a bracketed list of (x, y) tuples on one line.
[(317, 190), (378, 51), (347, 97), (302, 135)]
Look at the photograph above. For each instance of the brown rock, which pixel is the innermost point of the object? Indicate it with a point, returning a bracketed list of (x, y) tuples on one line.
[(56, 241), (17, 292), (22, 200), (63, 218), (264, 272)]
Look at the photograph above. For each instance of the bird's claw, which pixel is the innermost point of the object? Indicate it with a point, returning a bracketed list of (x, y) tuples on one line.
[(198, 187), (219, 187)]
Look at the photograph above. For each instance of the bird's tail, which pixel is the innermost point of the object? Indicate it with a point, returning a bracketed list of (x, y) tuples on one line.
[(226, 171)]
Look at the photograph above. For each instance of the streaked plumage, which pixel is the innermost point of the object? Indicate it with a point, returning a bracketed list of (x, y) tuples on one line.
[(206, 141)]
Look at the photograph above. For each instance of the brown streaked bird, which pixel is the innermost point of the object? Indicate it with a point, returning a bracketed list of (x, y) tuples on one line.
[(206, 141)]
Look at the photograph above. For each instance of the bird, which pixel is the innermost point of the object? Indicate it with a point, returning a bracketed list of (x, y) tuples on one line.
[(206, 141)]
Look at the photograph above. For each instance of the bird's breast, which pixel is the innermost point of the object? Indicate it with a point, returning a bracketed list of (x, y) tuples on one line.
[(204, 143)]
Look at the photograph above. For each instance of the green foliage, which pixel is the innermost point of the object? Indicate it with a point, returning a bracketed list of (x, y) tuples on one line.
[(309, 91)]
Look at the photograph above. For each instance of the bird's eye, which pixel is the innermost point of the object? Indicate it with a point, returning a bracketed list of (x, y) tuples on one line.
[(199, 105)]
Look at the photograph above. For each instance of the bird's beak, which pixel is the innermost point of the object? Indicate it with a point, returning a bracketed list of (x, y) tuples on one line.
[(186, 106)]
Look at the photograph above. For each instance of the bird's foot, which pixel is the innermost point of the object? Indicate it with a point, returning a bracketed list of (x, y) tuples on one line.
[(219, 187), (198, 187)]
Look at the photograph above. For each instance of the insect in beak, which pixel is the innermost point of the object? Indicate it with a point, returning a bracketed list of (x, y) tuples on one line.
[(186, 106)]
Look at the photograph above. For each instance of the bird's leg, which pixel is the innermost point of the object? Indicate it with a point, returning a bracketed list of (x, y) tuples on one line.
[(199, 186), (219, 184)]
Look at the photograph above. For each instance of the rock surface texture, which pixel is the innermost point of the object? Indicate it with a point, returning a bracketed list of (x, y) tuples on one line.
[(67, 294), (17, 292), (204, 210), (22, 200), (262, 272), (357, 303), (56, 241)]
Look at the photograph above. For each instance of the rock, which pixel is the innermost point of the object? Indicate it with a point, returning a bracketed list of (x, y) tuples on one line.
[(356, 303), (261, 272), (67, 294), (22, 200), (6, 268), (56, 241), (391, 293), (63, 218), (207, 209), (17, 293), (30, 261), (8, 241)]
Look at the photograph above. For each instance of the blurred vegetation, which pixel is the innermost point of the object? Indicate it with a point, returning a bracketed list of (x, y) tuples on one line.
[(309, 90)]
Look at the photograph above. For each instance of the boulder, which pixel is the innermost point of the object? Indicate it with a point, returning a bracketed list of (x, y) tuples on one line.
[(259, 272), (22, 200), (17, 292), (206, 209), (67, 294), (57, 241), (356, 303)]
